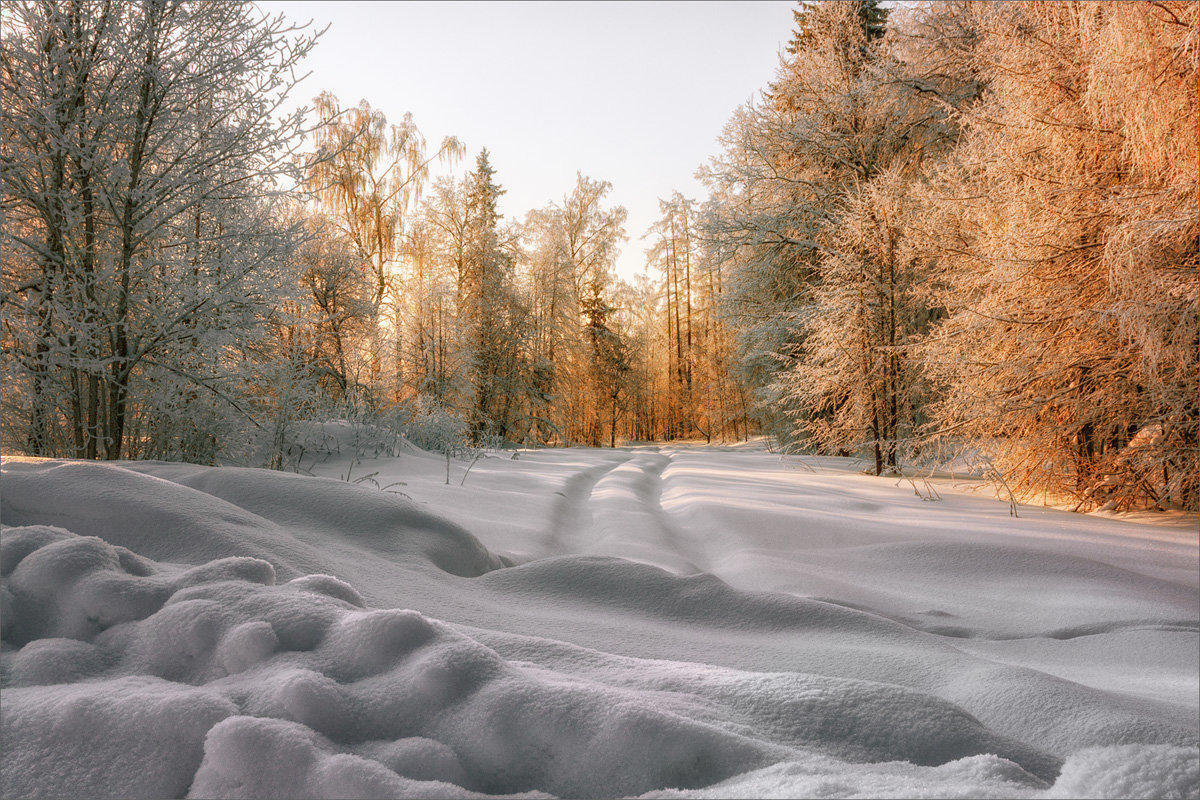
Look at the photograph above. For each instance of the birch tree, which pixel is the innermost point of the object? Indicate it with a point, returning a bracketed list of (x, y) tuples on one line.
[(368, 177)]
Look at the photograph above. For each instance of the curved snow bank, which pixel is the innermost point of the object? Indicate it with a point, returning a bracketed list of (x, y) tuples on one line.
[(1034, 594), (314, 509), (192, 514), (701, 599), (822, 777), (826, 638), (342, 700), (1131, 772)]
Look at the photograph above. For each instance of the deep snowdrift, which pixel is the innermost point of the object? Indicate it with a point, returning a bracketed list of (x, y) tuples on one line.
[(693, 622)]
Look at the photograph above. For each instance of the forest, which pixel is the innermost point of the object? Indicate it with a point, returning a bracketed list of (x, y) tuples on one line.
[(943, 229)]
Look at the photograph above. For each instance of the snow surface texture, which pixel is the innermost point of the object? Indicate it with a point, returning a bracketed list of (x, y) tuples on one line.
[(683, 622)]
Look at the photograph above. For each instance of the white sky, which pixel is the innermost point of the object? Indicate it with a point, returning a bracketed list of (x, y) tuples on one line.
[(634, 93)]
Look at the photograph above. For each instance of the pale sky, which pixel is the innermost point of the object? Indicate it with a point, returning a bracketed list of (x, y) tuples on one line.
[(634, 93)]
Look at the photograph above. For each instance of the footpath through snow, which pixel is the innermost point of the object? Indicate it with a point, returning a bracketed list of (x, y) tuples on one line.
[(674, 622)]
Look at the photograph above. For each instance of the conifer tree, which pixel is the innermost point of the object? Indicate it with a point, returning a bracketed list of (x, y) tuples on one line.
[(488, 304)]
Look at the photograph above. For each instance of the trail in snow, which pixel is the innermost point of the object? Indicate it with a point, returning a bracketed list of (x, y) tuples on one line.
[(631, 521), (615, 508), (571, 518)]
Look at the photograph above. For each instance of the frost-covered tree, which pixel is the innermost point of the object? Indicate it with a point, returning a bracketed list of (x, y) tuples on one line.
[(608, 365), (698, 397), (786, 161), (368, 177), (571, 248), (341, 312), (803, 214), (637, 319), (857, 374), (1068, 226), (425, 311), (141, 148), (857, 381), (439, 255), (489, 306), (550, 290), (292, 382), (672, 252)]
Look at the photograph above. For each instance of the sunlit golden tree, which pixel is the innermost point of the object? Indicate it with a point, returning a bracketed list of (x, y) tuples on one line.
[(367, 177), (1068, 233)]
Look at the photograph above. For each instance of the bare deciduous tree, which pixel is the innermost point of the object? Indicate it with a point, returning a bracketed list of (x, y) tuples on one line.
[(140, 155)]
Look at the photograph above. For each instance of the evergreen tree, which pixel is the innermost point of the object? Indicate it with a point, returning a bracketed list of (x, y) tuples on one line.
[(608, 364), (870, 14), (489, 306)]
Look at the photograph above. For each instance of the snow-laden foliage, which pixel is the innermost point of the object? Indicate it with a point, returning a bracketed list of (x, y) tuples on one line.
[(979, 224), (810, 209), (1067, 226), (143, 250)]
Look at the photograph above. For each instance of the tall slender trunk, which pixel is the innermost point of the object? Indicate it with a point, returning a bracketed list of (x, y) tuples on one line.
[(77, 419), (876, 442), (40, 407), (678, 406), (90, 435), (670, 420), (893, 387), (612, 435), (121, 354), (687, 296)]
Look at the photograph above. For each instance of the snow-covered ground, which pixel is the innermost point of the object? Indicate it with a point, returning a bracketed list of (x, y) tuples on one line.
[(669, 622)]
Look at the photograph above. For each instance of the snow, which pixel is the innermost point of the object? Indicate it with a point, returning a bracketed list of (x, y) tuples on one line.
[(667, 622)]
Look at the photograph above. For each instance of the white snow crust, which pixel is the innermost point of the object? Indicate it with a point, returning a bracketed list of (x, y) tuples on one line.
[(661, 622)]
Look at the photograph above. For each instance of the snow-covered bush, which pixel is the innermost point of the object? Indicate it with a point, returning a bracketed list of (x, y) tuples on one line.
[(431, 426)]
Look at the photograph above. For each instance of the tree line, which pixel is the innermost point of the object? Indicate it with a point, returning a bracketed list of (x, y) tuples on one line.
[(960, 228)]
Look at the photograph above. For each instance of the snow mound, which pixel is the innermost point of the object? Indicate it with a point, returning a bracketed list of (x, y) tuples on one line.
[(125, 737), (254, 688), (183, 513), (249, 757), (1131, 771), (983, 776)]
